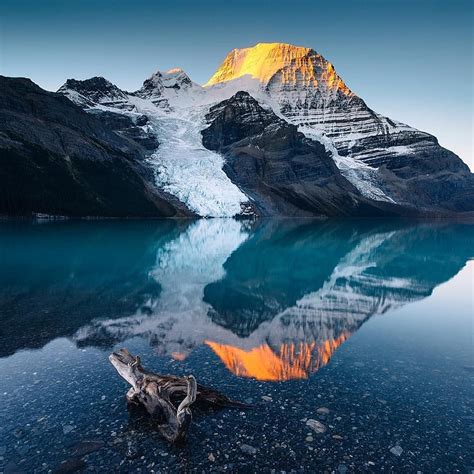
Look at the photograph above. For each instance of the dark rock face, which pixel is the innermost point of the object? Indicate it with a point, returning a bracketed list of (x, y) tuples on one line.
[(433, 179), (132, 128), (281, 170), (97, 94), (57, 159)]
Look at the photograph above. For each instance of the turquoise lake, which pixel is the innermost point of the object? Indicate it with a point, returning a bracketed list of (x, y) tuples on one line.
[(365, 327)]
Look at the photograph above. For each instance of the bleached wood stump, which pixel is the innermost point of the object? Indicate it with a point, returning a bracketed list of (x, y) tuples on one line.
[(166, 398)]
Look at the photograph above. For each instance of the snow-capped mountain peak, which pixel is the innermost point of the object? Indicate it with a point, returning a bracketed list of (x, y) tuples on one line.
[(303, 87), (163, 86), (89, 92), (280, 62)]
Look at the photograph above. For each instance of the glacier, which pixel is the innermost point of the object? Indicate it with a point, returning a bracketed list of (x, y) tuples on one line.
[(192, 173)]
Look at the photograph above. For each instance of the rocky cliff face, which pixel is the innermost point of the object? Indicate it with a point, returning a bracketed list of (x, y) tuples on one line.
[(278, 167), (113, 106), (307, 91), (56, 159), (93, 91)]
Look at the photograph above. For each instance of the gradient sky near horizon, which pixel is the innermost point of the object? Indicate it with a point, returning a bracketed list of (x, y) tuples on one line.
[(411, 60)]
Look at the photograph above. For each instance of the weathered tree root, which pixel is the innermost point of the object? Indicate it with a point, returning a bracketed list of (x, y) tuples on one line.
[(160, 394)]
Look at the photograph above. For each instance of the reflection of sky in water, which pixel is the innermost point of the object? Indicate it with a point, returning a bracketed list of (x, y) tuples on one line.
[(388, 305)]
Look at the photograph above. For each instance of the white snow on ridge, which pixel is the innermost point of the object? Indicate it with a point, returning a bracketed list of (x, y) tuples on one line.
[(362, 176)]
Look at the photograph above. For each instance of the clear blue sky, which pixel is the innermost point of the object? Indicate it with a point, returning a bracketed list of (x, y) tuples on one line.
[(409, 59)]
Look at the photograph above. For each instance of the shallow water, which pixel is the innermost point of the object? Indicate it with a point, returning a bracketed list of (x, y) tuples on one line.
[(363, 326)]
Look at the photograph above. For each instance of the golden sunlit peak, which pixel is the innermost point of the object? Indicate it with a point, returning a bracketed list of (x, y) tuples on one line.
[(261, 61), (280, 63)]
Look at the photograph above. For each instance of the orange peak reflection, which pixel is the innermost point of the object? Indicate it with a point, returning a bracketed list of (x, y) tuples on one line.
[(291, 361), (178, 356)]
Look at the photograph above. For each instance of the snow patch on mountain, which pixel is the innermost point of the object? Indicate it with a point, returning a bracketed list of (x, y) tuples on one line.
[(170, 90)]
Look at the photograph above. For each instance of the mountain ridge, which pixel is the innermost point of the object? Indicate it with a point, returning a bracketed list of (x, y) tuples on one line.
[(389, 165)]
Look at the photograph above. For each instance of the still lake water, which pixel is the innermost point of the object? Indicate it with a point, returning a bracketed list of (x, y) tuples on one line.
[(363, 326)]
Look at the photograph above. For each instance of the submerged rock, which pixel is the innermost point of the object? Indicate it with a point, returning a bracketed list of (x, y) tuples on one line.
[(247, 449), (86, 447), (396, 450), (316, 426)]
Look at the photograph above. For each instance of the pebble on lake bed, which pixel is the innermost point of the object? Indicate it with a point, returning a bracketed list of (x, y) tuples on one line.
[(316, 426), (323, 411), (247, 449), (397, 450)]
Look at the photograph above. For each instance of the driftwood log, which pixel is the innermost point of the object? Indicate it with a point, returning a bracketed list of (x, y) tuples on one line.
[(166, 398)]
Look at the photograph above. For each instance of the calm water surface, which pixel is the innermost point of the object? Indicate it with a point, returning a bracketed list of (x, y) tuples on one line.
[(365, 327)]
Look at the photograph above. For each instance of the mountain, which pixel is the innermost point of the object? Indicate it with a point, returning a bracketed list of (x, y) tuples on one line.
[(91, 92), (172, 109), (274, 132), (408, 166), (57, 159), (382, 166), (165, 88), (113, 107)]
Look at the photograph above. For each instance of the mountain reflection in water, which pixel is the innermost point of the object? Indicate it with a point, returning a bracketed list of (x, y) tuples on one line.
[(272, 299), (291, 361)]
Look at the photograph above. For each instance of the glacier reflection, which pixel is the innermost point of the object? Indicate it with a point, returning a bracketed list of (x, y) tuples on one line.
[(275, 299), (176, 321)]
